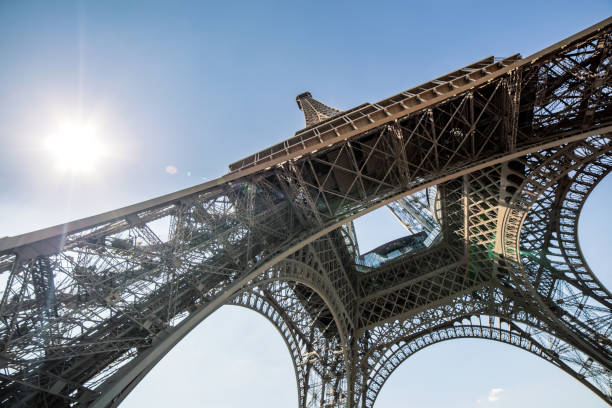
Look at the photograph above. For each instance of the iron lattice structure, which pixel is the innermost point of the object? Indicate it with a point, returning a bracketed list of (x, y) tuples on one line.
[(488, 167)]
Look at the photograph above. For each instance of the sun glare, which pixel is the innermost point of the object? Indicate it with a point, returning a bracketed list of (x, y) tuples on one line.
[(75, 146)]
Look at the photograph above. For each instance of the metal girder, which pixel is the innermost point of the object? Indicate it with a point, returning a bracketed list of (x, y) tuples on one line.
[(512, 148)]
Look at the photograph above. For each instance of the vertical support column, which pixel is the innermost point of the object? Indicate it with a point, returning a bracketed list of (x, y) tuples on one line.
[(5, 296), (512, 102), (466, 217)]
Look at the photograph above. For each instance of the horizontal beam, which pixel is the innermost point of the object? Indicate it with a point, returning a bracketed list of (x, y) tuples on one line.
[(9, 244), (215, 186)]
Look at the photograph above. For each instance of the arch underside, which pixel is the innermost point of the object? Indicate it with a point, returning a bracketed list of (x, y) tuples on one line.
[(568, 320), (569, 293), (385, 360), (311, 337), (299, 299), (86, 313)]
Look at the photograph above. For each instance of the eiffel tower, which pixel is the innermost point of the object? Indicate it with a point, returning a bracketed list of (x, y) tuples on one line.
[(487, 167)]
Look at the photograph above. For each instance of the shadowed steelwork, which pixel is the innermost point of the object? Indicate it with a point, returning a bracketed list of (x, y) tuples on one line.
[(487, 167)]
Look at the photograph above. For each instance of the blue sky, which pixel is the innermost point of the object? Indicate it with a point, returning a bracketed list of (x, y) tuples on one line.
[(198, 85)]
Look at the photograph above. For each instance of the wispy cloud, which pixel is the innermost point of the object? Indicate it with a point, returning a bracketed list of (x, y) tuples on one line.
[(494, 394)]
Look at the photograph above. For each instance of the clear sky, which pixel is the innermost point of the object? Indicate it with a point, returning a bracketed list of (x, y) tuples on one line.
[(197, 85)]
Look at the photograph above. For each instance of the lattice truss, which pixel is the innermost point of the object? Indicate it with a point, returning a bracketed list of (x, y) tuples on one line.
[(488, 172)]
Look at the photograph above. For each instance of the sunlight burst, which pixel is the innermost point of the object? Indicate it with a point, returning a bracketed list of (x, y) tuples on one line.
[(75, 146)]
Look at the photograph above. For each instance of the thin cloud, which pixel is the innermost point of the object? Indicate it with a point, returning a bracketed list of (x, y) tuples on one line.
[(494, 394)]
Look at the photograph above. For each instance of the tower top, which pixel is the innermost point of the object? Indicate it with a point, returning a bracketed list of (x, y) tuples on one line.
[(314, 111)]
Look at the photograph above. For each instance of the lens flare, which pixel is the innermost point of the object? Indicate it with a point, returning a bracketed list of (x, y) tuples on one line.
[(76, 147)]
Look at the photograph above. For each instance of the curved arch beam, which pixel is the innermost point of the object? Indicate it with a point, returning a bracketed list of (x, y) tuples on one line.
[(303, 320), (257, 303), (272, 282), (544, 209), (386, 361), (290, 335), (319, 282), (553, 196), (583, 183)]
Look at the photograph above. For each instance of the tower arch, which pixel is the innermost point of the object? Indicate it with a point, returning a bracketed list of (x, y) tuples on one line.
[(385, 361)]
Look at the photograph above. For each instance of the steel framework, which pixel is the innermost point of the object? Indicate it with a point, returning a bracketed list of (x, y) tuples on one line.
[(488, 167)]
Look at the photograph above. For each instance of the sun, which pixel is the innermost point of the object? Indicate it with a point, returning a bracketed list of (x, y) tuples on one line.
[(75, 146)]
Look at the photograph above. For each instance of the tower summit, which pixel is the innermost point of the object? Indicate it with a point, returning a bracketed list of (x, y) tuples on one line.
[(314, 111)]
